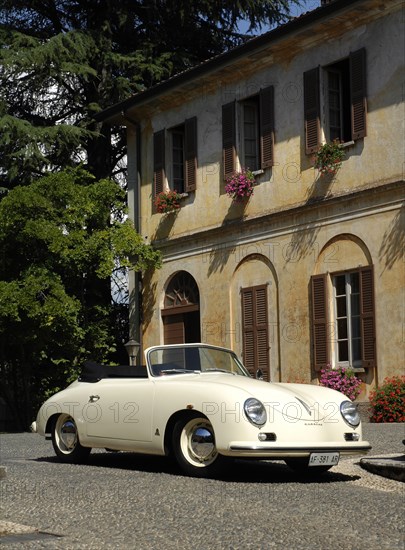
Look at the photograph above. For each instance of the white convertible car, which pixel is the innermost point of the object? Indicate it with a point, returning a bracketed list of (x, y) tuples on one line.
[(198, 403)]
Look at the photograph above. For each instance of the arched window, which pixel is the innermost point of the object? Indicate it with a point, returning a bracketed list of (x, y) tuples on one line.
[(182, 291)]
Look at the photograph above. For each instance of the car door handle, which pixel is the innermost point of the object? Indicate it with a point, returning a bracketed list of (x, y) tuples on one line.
[(93, 398)]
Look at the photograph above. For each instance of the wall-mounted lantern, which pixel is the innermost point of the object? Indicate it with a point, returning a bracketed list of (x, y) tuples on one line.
[(132, 347)]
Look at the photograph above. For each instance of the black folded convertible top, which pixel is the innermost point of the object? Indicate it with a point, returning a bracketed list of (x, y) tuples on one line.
[(93, 372)]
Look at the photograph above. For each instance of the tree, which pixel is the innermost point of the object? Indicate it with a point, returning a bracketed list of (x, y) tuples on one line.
[(53, 250), (62, 61)]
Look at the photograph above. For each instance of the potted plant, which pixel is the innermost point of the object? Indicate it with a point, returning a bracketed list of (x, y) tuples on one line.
[(239, 185), (328, 159), (167, 201)]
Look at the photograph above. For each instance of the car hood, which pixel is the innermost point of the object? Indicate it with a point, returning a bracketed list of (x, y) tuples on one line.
[(295, 401)]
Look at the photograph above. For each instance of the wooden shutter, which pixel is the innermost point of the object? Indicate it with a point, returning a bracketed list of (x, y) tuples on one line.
[(319, 322), (190, 138), (267, 127), (158, 161), (255, 330), (312, 110), (262, 333), (367, 317), (248, 330), (358, 93), (228, 138)]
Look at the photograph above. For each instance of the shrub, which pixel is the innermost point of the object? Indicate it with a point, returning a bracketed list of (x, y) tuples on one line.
[(341, 379), (388, 401)]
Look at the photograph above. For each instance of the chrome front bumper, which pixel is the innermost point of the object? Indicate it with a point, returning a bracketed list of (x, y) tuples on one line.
[(265, 451)]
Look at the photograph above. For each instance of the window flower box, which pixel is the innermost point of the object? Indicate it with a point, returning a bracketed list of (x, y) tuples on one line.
[(167, 201), (239, 186), (328, 159)]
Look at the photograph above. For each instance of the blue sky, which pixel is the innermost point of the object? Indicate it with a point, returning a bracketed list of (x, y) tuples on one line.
[(306, 5)]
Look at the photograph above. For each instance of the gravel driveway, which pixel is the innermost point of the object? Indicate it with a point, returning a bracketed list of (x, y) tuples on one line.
[(126, 501)]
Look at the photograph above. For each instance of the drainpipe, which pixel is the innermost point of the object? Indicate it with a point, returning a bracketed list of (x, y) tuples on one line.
[(134, 197)]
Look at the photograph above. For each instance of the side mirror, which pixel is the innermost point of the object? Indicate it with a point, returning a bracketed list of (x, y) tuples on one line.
[(259, 374)]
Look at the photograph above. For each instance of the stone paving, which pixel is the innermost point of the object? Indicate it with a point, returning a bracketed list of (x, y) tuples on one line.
[(125, 501)]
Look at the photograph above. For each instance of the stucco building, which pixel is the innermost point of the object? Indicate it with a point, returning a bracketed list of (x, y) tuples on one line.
[(310, 270)]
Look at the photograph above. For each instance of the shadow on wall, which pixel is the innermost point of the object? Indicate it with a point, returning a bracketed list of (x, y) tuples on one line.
[(303, 243), (165, 226), (393, 241), (303, 240), (147, 299), (219, 256)]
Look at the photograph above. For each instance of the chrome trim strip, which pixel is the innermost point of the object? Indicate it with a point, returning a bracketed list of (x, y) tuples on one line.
[(255, 448)]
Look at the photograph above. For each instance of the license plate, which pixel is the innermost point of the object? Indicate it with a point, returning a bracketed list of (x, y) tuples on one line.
[(323, 459)]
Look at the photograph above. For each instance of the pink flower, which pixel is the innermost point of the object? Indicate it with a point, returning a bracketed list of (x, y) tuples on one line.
[(240, 185)]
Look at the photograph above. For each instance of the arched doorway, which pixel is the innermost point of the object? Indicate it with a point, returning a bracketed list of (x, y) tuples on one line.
[(254, 306), (181, 310)]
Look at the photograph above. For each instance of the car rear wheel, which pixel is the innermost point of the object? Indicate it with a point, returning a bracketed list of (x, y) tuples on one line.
[(194, 447), (65, 440), (300, 465)]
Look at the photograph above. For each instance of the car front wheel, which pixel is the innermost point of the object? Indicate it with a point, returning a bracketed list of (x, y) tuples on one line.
[(194, 447), (65, 440)]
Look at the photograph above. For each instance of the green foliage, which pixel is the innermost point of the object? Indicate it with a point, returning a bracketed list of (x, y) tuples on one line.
[(59, 246), (26, 150), (388, 401)]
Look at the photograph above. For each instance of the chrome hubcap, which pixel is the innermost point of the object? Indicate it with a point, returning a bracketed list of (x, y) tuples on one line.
[(68, 435), (202, 443), (197, 442)]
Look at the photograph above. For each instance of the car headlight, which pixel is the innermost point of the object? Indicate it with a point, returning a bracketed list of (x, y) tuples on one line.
[(255, 411), (350, 413)]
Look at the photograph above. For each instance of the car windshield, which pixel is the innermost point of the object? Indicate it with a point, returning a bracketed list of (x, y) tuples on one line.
[(195, 359)]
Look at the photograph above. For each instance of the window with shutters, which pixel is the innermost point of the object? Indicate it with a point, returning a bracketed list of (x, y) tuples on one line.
[(255, 330), (343, 319), (248, 133), (335, 102), (175, 158)]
